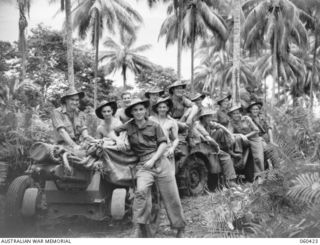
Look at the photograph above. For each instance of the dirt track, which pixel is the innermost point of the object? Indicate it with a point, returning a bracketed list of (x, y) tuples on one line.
[(79, 227)]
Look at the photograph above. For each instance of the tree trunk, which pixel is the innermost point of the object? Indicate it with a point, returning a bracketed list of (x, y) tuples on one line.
[(279, 82), (124, 74), (265, 97), (236, 53), (192, 62), (69, 43), (180, 15), (274, 66), (193, 40), (313, 67), (96, 40), (23, 23)]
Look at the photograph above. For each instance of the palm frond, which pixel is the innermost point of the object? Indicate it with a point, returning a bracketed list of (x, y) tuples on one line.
[(213, 21), (141, 48), (134, 14), (306, 188)]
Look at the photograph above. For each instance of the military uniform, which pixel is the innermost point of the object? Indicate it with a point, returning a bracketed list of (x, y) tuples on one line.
[(144, 143), (246, 126), (74, 124), (225, 160)]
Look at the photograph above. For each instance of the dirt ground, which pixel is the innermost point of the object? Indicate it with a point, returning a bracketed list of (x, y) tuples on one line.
[(77, 227)]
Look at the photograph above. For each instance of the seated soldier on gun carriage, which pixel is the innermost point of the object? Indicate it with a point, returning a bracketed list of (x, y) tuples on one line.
[(69, 122)]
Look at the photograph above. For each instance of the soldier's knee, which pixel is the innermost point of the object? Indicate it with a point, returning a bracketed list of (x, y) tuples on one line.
[(141, 193)]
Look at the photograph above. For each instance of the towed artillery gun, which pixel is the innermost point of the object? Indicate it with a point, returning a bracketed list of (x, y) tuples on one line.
[(96, 183)]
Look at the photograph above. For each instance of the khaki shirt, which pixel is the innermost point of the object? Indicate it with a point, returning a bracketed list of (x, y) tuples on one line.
[(144, 140), (244, 126), (73, 124)]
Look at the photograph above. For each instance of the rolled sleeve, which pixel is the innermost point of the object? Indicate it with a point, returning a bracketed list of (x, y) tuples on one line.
[(57, 120)]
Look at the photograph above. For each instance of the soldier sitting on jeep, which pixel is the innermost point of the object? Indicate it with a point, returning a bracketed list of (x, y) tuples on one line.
[(216, 136), (68, 122)]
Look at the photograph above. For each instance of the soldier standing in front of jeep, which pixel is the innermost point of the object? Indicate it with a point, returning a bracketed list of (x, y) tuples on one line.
[(149, 143)]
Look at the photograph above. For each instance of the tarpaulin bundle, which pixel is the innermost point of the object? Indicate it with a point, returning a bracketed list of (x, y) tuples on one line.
[(116, 166)]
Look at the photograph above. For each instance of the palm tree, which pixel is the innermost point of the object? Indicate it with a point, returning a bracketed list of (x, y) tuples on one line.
[(91, 15), (24, 12), (209, 72), (179, 13), (233, 13), (236, 53), (24, 9), (198, 18), (65, 6), (178, 7), (292, 72), (312, 66), (69, 42), (216, 70), (123, 56), (312, 7), (278, 23)]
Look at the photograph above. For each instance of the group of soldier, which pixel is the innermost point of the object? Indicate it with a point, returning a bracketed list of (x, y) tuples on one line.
[(158, 126)]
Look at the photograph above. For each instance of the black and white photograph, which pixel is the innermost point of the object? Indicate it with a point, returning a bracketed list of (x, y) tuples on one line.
[(159, 119)]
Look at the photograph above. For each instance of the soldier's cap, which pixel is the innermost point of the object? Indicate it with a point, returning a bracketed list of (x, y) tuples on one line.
[(197, 96), (104, 103), (253, 103), (154, 90), (166, 100), (206, 112), (177, 84), (234, 108), (223, 97), (71, 92), (134, 102)]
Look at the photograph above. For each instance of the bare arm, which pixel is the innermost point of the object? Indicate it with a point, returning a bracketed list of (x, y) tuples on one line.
[(66, 137), (99, 134), (193, 113), (255, 129), (86, 135), (227, 131), (175, 130), (270, 136)]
